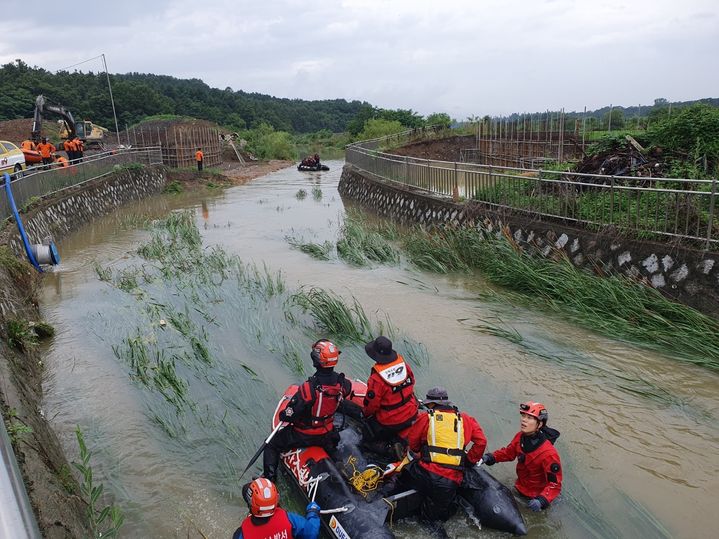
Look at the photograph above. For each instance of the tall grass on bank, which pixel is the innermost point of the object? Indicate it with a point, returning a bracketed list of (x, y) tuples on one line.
[(613, 305)]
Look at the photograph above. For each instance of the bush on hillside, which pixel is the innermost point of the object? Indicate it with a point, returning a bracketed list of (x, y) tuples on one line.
[(690, 137), (376, 128)]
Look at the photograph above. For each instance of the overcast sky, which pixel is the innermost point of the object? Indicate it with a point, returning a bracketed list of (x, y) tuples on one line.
[(463, 57)]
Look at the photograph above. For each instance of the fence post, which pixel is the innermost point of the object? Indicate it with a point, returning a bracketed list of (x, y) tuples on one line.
[(455, 190), (710, 219), (611, 203), (406, 170)]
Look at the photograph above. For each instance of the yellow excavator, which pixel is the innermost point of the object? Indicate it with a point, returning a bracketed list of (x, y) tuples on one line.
[(91, 134)]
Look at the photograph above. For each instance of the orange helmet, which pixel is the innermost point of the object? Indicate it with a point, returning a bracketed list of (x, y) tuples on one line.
[(261, 496), (534, 409), (324, 354)]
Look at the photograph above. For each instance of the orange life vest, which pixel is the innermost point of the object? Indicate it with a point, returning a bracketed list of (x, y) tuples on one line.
[(396, 375)]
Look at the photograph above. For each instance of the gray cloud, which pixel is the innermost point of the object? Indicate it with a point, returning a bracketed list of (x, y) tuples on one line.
[(460, 56)]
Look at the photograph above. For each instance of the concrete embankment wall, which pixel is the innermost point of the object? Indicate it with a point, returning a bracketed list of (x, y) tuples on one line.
[(53, 492), (74, 207), (686, 275)]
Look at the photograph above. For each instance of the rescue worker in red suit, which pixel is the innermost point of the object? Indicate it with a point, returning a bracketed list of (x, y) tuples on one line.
[(268, 521), (441, 437), (390, 406), (310, 412), (539, 471)]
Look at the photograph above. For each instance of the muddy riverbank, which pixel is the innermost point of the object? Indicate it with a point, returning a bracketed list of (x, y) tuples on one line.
[(51, 487)]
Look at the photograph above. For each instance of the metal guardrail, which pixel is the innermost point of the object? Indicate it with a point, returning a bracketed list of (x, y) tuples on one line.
[(682, 209), (16, 517), (38, 181)]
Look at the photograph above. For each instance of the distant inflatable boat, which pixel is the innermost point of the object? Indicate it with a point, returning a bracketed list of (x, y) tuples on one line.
[(314, 168), (32, 157)]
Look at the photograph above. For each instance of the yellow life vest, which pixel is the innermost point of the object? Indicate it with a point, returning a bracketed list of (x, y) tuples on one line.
[(445, 439)]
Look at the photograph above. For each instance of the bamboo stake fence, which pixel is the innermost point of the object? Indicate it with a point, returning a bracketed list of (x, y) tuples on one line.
[(179, 143)]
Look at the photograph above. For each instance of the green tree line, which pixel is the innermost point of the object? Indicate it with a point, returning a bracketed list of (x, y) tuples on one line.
[(139, 95)]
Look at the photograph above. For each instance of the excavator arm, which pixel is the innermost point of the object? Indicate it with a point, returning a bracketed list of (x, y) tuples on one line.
[(41, 108)]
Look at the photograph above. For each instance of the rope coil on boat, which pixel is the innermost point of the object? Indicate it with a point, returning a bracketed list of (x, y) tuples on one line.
[(365, 481)]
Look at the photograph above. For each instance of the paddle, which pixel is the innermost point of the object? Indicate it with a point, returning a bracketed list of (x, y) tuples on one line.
[(279, 426)]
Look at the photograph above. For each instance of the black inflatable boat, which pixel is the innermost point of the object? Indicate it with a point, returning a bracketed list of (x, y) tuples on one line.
[(349, 489), (314, 168)]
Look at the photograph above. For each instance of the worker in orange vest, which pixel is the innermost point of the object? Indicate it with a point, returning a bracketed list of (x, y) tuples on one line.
[(46, 150), (60, 161), (79, 148), (28, 145), (69, 147), (199, 156)]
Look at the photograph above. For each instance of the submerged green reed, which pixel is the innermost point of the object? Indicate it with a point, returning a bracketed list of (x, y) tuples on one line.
[(103, 273), (151, 368), (348, 323), (319, 251), (360, 245), (105, 522)]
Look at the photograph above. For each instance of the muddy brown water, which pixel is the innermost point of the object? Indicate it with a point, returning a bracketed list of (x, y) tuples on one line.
[(639, 431)]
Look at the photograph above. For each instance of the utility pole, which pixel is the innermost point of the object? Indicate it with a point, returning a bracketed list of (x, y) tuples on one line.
[(112, 100)]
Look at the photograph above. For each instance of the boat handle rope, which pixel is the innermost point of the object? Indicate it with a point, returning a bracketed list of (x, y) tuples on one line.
[(344, 509), (312, 484)]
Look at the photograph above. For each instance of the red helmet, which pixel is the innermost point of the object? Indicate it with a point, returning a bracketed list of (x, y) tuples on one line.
[(324, 354), (534, 409), (263, 497)]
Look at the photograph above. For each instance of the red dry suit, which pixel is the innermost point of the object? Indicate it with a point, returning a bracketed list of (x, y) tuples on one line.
[(539, 470), (418, 439), (390, 393)]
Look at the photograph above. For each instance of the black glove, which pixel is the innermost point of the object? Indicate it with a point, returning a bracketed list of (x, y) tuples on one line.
[(535, 504), (489, 459)]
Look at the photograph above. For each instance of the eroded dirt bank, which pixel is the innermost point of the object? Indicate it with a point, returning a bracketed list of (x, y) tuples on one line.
[(60, 512), (227, 175)]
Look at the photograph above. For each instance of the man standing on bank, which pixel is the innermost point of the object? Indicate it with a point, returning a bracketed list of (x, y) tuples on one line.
[(199, 156)]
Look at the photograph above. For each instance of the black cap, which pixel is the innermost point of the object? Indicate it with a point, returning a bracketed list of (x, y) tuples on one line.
[(381, 350), (438, 395)]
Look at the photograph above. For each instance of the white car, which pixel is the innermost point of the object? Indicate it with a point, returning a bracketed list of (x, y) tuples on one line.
[(12, 160)]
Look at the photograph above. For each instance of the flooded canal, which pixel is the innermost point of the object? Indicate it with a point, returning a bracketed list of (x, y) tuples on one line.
[(639, 432)]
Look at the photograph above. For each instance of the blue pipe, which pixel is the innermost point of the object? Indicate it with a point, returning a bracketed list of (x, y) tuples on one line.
[(23, 235)]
